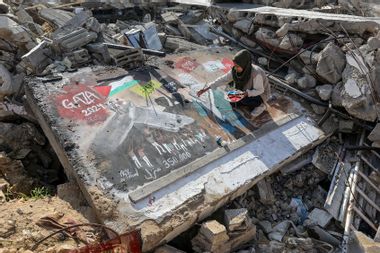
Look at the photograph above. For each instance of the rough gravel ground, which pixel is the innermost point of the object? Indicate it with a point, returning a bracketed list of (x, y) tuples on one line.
[(18, 229)]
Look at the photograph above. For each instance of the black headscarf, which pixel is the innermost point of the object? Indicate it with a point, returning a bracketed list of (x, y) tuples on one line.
[(244, 60)]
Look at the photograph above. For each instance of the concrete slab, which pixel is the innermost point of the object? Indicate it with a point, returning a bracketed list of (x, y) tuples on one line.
[(304, 20), (143, 148)]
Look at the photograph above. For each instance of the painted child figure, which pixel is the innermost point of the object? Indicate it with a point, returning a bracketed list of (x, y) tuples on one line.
[(246, 77)]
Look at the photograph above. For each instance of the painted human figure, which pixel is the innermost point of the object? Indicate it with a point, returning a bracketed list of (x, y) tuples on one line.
[(246, 77)]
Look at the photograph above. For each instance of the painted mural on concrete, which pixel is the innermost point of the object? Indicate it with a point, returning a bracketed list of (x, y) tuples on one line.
[(148, 125), (83, 103)]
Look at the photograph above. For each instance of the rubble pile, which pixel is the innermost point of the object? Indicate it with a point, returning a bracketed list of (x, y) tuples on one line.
[(286, 209), (27, 160), (331, 60)]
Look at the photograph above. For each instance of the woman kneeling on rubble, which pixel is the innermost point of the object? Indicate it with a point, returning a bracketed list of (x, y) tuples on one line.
[(246, 77)]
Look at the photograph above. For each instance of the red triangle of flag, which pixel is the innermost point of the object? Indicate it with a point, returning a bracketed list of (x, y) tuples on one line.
[(103, 90)]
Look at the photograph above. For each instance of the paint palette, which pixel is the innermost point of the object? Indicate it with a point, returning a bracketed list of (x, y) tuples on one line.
[(234, 96)]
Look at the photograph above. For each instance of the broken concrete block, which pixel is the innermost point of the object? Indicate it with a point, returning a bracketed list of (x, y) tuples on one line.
[(311, 22), (362, 243), (267, 36), (100, 52), (308, 57), (320, 217), (184, 30), (171, 30), (279, 231), (245, 40), (291, 78), (78, 57), (306, 82), (321, 234), (324, 91), (6, 87), (236, 33), (212, 237), (301, 244), (93, 25), (242, 238), (234, 15), (14, 33), (283, 30), (299, 209), (356, 92), (24, 17), (331, 63), (291, 41), (336, 98), (236, 219), (167, 249), (55, 16), (324, 157), (80, 19), (266, 226), (71, 40), (35, 28), (203, 29), (214, 231), (37, 59), (373, 43), (245, 25), (181, 44), (346, 126), (265, 192)]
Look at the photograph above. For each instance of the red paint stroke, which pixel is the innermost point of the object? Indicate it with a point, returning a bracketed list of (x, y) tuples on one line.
[(126, 243), (81, 102), (228, 64), (103, 90), (187, 64)]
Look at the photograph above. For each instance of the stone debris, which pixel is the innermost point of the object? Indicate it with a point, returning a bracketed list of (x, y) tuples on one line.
[(236, 219), (306, 82), (320, 217), (324, 91), (265, 192), (362, 243), (212, 237), (325, 157), (331, 63)]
